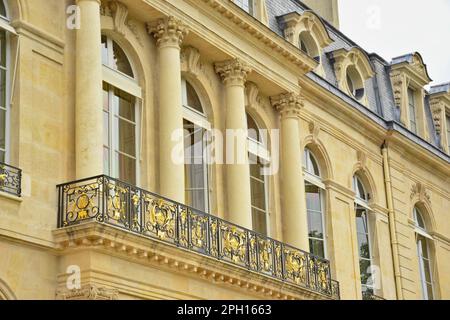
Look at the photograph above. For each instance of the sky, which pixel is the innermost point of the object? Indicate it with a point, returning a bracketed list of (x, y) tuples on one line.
[(392, 28)]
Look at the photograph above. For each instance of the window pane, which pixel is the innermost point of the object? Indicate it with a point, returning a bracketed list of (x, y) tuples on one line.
[(106, 128), (259, 221), (317, 247), (127, 137), (2, 88), (196, 199), (364, 267), (2, 129), (106, 163), (2, 9), (105, 96), (124, 105), (313, 201), (361, 221), (105, 51), (126, 167), (430, 291), (363, 246), (315, 225), (448, 132), (193, 100), (121, 61), (253, 130)]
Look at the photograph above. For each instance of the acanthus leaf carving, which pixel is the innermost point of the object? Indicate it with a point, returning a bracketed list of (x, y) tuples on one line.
[(419, 190), (252, 95), (436, 110), (314, 130), (190, 58)]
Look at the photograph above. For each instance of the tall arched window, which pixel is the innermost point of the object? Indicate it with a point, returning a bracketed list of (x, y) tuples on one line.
[(309, 46), (196, 127), (5, 29), (121, 121), (423, 252), (315, 205), (363, 236), (259, 159)]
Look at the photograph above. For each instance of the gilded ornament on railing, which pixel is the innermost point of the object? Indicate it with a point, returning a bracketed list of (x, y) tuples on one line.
[(234, 245), (82, 202), (312, 273), (135, 210), (116, 202), (252, 251), (199, 225), (295, 266), (160, 217), (183, 227), (323, 276), (10, 179), (265, 255), (214, 228), (278, 260)]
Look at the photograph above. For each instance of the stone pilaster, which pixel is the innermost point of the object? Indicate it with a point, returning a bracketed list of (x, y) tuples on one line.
[(294, 216), (234, 75), (169, 34)]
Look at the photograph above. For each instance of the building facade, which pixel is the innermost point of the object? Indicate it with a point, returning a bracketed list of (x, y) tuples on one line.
[(120, 131)]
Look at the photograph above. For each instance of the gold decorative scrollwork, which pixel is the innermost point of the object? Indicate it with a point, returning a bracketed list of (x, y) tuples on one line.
[(265, 255), (160, 217), (116, 202), (183, 227), (234, 243), (278, 260), (213, 225), (295, 266), (82, 202), (198, 231)]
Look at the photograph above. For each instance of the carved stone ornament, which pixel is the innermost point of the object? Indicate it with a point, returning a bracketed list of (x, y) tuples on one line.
[(397, 84), (314, 130), (119, 14), (288, 104), (190, 58), (362, 158), (168, 32), (420, 191), (89, 292), (233, 72), (252, 95), (436, 109)]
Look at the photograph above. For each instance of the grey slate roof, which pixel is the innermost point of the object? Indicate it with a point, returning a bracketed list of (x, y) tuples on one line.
[(379, 88)]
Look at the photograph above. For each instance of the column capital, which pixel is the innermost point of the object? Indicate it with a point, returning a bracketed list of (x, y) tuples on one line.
[(168, 32), (233, 72), (288, 104)]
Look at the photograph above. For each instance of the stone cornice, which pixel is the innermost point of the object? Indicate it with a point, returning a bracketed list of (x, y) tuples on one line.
[(262, 33), (233, 72), (288, 104), (88, 292), (104, 238), (168, 32)]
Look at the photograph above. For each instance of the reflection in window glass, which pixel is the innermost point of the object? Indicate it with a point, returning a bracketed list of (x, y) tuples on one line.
[(196, 167), (120, 127), (2, 9), (258, 193), (114, 57), (365, 263), (315, 220)]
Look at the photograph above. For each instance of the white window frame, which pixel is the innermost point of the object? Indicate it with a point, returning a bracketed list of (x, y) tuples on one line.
[(246, 5), (364, 205), (130, 85), (311, 178), (423, 232), (412, 105), (9, 30), (201, 120), (260, 150)]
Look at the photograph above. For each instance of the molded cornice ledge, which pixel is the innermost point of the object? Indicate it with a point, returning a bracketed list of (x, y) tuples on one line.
[(233, 72), (288, 104), (262, 33), (168, 32)]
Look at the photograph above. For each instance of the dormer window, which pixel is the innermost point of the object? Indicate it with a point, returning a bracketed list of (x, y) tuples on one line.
[(308, 45), (246, 5), (412, 110), (355, 83)]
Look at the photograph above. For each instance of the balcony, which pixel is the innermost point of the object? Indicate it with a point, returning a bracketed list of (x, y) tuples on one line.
[(108, 201), (10, 180)]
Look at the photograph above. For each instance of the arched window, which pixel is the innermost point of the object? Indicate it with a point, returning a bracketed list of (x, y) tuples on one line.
[(309, 46), (5, 30), (363, 236), (315, 205), (121, 115), (423, 252), (355, 83), (259, 159), (196, 127)]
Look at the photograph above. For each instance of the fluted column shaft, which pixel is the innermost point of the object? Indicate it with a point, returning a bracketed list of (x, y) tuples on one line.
[(169, 34), (88, 82), (234, 75), (294, 216)]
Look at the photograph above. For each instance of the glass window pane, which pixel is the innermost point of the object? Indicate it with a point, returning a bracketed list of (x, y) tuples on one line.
[(430, 291), (105, 51), (317, 247), (124, 105), (106, 163), (106, 128), (361, 221), (365, 270), (3, 88), (127, 137), (193, 100), (253, 130), (2, 9), (126, 168), (120, 61), (315, 225), (363, 246), (259, 222), (105, 96), (196, 199), (2, 129), (313, 201)]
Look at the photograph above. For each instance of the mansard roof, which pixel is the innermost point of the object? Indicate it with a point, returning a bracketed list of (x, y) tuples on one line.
[(381, 104)]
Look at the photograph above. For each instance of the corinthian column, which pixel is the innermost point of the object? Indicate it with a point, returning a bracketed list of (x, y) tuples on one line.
[(88, 105), (295, 223), (169, 34), (234, 75)]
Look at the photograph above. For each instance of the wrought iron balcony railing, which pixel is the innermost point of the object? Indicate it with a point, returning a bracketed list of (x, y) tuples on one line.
[(10, 179), (110, 201), (370, 296)]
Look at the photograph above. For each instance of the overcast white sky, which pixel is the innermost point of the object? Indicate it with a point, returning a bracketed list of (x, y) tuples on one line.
[(395, 27)]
